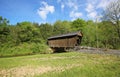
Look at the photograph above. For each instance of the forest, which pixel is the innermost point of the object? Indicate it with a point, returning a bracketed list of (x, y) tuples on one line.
[(31, 37)]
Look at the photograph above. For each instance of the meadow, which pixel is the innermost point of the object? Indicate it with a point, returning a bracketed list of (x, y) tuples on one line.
[(70, 64)]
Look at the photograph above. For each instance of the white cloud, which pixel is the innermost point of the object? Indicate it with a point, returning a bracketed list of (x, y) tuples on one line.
[(92, 14), (89, 8), (103, 3), (62, 6), (72, 4), (74, 7), (45, 10), (93, 7), (74, 15)]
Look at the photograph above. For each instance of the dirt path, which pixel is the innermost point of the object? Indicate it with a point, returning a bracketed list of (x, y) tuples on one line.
[(99, 51)]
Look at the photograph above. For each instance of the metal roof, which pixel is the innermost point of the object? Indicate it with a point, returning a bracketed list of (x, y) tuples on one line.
[(66, 35)]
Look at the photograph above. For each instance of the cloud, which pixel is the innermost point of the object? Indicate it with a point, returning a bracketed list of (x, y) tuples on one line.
[(89, 8), (62, 3), (62, 6), (72, 4), (74, 15), (103, 3), (92, 14), (45, 10), (93, 7)]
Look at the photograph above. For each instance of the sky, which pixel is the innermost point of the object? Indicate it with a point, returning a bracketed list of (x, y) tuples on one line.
[(49, 11)]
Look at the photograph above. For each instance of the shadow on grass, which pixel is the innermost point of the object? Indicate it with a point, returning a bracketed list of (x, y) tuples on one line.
[(16, 55)]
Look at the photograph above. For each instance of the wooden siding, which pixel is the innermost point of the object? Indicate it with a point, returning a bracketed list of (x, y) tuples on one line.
[(64, 42)]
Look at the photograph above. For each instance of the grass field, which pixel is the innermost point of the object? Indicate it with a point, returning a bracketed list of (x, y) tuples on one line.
[(70, 64)]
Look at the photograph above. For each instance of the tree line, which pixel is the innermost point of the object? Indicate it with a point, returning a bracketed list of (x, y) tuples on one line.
[(103, 32)]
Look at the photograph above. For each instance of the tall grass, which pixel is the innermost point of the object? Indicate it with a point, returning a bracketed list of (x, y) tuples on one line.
[(24, 49)]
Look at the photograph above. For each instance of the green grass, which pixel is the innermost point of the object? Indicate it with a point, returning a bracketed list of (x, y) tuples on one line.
[(71, 64)]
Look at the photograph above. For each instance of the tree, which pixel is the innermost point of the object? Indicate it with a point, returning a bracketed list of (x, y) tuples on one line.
[(108, 37), (4, 30), (61, 27), (45, 30), (28, 31), (78, 24), (112, 14), (89, 33), (3, 21)]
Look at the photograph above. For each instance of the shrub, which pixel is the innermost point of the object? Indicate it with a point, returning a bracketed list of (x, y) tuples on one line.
[(25, 49)]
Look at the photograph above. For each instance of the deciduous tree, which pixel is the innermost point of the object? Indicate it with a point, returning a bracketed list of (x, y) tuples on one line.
[(112, 14)]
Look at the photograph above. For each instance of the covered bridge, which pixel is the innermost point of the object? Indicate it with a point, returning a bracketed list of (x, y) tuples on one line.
[(65, 41)]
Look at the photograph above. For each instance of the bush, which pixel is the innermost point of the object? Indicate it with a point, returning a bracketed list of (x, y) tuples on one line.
[(41, 48), (25, 49)]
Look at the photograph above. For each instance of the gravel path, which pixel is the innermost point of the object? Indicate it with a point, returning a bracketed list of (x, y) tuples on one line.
[(98, 51)]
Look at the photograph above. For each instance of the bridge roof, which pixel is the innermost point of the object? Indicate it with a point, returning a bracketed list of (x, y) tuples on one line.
[(66, 35)]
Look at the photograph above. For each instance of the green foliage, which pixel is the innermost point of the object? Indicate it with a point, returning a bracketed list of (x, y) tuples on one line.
[(3, 21), (4, 35), (108, 36), (23, 38), (40, 48), (45, 30), (34, 36), (24, 49), (89, 34), (78, 25), (61, 27)]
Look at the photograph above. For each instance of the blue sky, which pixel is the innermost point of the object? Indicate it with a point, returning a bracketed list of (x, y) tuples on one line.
[(42, 11)]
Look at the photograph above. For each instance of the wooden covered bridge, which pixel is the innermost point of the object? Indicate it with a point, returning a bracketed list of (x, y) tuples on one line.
[(65, 41)]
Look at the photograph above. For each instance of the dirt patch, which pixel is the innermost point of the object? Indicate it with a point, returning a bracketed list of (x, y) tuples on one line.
[(49, 58), (30, 71), (68, 66), (24, 71)]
